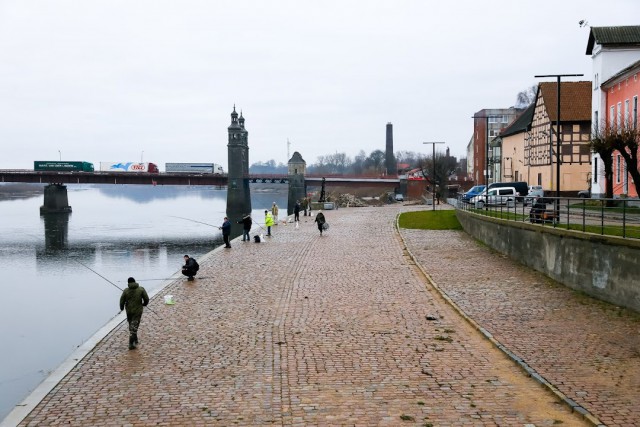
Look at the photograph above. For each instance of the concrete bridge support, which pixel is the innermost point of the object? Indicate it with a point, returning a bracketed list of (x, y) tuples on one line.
[(55, 199)]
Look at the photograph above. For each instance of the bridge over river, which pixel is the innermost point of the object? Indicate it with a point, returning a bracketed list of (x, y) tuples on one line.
[(173, 178), (55, 194)]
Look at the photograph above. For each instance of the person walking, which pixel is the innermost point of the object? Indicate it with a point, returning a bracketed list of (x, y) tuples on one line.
[(190, 267), (305, 205), (133, 299), (274, 212), (226, 231), (320, 220), (296, 211), (268, 221), (246, 227)]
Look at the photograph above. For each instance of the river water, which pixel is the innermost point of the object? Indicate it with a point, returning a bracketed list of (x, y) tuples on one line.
[(51, 300)]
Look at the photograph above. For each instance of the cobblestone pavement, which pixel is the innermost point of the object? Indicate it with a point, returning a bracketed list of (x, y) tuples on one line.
[(588, 349), (342, 329)]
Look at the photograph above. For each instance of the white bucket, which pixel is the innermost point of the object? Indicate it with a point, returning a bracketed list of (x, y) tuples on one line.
[(168, 299)]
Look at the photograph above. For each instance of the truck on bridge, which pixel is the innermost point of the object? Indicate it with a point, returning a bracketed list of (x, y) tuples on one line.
[(128, 167), (193, 168), (62, 166)]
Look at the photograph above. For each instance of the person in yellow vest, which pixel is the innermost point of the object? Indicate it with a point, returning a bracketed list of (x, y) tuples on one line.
[(268, 221), (274, 212)]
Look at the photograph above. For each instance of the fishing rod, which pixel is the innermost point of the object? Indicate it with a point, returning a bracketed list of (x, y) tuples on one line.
[(171, 278), (91, 269), (193, 220)]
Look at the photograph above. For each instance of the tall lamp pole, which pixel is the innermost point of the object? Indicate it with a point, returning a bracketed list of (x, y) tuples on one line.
[(558, 76), (433, 176), (60, 154)]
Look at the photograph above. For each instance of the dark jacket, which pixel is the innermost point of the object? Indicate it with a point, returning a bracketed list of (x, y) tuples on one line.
[(226, 228), (320, 219), (134, 298), (190, 265), (246, 222), (296, 208)]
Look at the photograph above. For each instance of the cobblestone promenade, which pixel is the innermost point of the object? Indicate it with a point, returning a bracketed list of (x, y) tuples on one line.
[(345, 329)]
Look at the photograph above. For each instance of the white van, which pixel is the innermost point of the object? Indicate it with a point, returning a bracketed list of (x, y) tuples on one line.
[(500, 196)]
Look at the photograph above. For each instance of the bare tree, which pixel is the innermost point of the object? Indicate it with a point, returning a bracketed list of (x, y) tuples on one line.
[(526, 97), (445, 166), (375, 161), (601, 145), (625, 139)]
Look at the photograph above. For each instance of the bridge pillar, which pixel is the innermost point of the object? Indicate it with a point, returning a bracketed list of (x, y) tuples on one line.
[(297, 186), (55, 199)]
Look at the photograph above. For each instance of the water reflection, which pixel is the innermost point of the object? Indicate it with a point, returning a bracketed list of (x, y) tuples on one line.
[(56, 230)]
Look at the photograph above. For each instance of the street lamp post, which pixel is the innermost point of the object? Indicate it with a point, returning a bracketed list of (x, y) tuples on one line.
[(60, 155), (433, 175), (557, 76)]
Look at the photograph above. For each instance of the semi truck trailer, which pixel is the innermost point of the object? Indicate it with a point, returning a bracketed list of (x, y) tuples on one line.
[(62, 166), (128, 167)]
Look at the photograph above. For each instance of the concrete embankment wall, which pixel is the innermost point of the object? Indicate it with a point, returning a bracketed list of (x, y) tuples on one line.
[(601, 266)]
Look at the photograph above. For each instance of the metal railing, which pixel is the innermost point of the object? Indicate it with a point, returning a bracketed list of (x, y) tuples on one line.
[(610, 217)]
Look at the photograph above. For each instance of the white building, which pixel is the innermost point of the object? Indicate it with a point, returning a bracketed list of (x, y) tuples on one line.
[(612, 49)]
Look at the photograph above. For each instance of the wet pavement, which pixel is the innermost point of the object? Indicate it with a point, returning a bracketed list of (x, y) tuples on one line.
[(346, 329)]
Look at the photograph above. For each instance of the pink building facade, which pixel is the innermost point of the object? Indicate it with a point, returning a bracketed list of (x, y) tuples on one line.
[(621, 103)]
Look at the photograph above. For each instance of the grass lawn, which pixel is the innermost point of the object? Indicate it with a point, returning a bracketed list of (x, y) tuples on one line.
[(430, 220)]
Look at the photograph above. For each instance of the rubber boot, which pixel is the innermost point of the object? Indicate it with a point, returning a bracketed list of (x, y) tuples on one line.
[(131, 344), (135, 340)]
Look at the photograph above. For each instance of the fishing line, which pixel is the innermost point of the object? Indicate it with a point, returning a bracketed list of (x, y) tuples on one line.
[(193, 220), (91, 269)]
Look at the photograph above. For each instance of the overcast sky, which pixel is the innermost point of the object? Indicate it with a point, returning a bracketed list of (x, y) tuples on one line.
[(110, 80)]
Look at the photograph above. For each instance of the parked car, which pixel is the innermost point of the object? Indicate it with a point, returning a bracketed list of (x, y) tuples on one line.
[(501, 196), (534, 191), (522, 188), (474, 191), (399, 197), (584, 194)]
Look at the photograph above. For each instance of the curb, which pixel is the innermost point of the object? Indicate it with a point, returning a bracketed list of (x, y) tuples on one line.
[(521, 363)]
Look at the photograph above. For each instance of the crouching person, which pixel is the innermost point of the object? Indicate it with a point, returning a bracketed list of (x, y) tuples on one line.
[(133, 299), (190, 267)]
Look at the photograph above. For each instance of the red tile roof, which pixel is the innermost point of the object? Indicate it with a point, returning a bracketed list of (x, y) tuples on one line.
[(575, 100)]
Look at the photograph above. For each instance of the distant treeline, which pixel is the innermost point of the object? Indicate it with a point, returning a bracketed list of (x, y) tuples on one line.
[(340, 163)]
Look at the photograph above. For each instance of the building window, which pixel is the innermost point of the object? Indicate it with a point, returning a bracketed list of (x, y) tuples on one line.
[(627, 122), (619, 115), (596, 124), (595, 170), (635, 112), (618, 158), (493, 133), (539, 179), (612, 115)]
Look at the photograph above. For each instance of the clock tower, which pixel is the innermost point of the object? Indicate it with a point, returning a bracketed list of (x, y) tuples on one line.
[(238, 194)]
